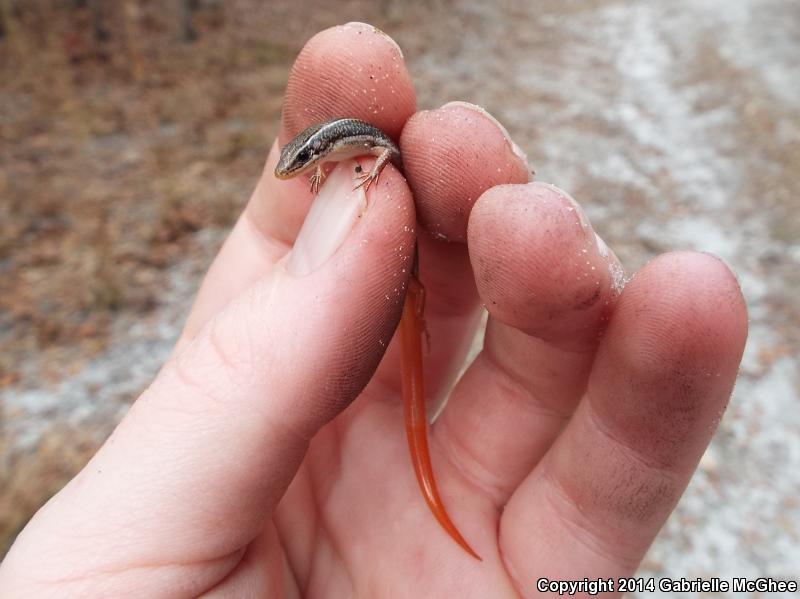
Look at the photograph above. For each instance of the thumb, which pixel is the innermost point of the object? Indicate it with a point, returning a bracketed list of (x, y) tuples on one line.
[(202, 458)]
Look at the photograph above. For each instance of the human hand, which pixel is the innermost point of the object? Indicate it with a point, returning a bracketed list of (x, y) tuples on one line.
[(563, 447)]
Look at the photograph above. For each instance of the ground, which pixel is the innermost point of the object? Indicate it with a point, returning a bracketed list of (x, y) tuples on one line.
[(125, 155)]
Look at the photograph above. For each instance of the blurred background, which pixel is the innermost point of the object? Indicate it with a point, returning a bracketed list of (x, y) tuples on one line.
[(132, 133)]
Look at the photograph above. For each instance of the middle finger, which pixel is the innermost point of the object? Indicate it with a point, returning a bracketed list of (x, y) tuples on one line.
[(550, 286), (451, 156)]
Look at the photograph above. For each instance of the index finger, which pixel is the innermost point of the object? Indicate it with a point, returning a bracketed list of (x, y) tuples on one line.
[(352, 70)]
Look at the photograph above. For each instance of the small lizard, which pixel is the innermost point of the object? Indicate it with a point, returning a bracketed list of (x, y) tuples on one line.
[(340, 139), (333, 141)]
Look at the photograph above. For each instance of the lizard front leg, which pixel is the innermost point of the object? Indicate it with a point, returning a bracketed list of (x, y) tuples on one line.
[(316, 179)]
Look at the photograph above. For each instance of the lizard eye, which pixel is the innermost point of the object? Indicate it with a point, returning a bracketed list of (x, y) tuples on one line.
[(303, 155)]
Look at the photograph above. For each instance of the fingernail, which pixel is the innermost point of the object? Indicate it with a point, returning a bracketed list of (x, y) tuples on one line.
[(618, 278), (367, 26), (332, 215), (573, 206), (483, 112)]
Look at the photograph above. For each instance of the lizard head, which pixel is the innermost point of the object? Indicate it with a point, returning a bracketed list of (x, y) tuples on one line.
[(300, 155)]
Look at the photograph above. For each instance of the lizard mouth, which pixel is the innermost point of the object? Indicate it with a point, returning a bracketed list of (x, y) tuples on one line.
[(287, 171)]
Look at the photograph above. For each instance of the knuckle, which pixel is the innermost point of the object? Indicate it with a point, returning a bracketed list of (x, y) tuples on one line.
[(230, 346)]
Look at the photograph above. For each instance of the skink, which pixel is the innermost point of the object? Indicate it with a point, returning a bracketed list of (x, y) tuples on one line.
[(333, 141), (340, 139)]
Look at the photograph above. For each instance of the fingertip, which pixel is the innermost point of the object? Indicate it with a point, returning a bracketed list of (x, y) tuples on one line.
[(469, 106), (353, 70), (538, 265), (451, 156), (688, 306), (668, 362)]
